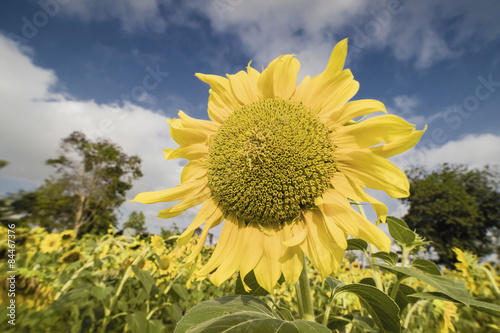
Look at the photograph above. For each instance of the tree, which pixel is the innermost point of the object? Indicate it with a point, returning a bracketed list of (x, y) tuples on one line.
[(455, 207), (136, 221), (90, 183)]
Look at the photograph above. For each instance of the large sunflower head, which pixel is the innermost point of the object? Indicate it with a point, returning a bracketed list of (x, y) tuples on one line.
[(278, 163)]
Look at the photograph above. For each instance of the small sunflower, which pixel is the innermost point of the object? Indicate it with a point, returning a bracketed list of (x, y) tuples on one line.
[(50, 243), (278, 163), (67, 237), (157, 243), (71, 256)]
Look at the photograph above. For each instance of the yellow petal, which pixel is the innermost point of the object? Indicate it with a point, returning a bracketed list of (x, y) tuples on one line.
[(189, 202), (268, 270), (227, 239), (353, 191), (373, 131), (253, 250), (220, 91), (337, 59), (291, 263), (205, 125), (279, 78), (195, 169), (336, 208), (186, 136), (338, 98), (191, 152), (176, 193), (317, 245), (299, 233), (212, 222), (232, 258), (208, 209), (253, 75), (285, 76), (400, 145), (372, 234), (373, 171), (353, 110), (339, 211), (243, 88)]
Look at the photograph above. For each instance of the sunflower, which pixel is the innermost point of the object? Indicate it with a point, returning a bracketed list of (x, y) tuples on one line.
[(67, 236), (278, 163), (50, 243), (157, 243), (71, 256)]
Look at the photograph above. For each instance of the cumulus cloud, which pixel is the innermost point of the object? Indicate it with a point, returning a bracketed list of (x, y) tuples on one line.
[(34, 118), (423, 32), (475, 150)]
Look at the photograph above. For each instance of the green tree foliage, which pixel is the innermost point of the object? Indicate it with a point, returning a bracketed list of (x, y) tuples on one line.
[(136, 221), (455, 207), (90, 183)]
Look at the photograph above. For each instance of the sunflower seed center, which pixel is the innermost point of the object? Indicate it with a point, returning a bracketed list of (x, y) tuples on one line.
[(268, 162)]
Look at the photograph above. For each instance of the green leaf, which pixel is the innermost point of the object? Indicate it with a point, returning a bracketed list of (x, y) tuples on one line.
[(145, 277), (137, 321), (402, 298), (240, 313), (452, 288), (356, 244), (251, 281), (334, 283), (389, 257), (99, 292), (489, 308), (155, 326), (399, 231), (369, 281), (382, 308), (426, 266), (180, 290)]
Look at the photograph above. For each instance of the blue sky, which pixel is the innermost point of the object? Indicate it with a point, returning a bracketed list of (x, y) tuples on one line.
[(121, 68)]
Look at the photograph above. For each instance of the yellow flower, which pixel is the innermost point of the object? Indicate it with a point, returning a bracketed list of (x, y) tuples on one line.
[(67, 237), (355, 266), (278, 163), (157, 243), (71, 256), (50, 243)]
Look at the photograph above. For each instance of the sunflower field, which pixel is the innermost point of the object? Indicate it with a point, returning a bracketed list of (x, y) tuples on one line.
[(117, 283)]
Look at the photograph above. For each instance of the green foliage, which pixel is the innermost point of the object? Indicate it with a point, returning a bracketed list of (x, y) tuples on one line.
[(382, 308), (90, 183), (120, 284), (136, 221), (241, 313), (455, 207)]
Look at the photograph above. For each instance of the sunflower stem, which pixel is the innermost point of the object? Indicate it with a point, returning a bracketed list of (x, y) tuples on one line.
[(303, 291)]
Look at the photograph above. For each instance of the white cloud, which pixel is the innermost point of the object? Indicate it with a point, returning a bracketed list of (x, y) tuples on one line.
[(474, 150), (133, 15), (423, 32), (33, 120)]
